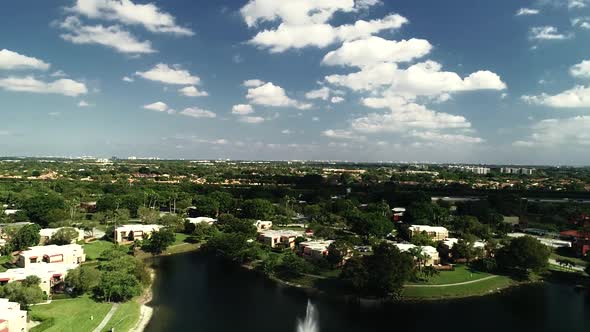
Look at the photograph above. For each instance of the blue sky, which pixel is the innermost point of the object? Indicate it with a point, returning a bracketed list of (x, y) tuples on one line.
[(488, 81)]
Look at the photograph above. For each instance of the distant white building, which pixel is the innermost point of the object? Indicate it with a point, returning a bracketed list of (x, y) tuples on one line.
[(10, 212), (12, 318), (130, 233), (517, 170), (450, 242), (432, 254), (553, 243), (199, 220), (263, 225), (279, 238), (315, 249), (51, 275), (48, 233), (52, 254), (437, 233)]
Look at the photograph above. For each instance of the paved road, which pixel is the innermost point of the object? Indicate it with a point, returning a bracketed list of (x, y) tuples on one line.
[(450, 285), (107, 318)]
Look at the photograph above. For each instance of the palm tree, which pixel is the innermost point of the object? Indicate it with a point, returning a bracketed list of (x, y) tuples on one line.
[(430, 271)]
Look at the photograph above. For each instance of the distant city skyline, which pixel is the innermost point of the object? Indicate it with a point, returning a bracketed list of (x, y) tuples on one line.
[(500, 82)]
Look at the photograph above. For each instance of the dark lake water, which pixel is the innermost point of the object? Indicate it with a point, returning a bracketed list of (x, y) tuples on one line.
[(197, 293)]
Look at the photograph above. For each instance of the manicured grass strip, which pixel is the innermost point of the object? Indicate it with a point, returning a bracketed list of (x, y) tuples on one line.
[(124, 318), (94, 249), (575, 260), (472, 289), (179, 238), (461, 273), (71, 315)]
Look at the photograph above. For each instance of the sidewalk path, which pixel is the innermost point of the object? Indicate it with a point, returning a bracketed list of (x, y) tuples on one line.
[(451, 285), (107, 318)]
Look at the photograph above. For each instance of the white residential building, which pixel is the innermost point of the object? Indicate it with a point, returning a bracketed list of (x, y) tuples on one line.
[(52, 254), (437, 233), (263, 225), (278, 238), (315, 249), (199, 220), (47, 234), (12, 318), (450, 242), (51, 275), (429, 251), (130, 233)]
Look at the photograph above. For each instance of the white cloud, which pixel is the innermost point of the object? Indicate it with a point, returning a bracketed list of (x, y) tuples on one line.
[(321, 35), (158, 107), (59, 73), (83, 103), (127, 12), (547, 33), (170, 75), (577, 97), (64, 86), (251, 119), (286, 132), (342, 134), (113, 36), (294, 12), (581, 69), (128, 79), (527, 11), (10, 60), (192, 91), (273, 95), (582, 22), (437, 137), (322, 93), (242, 109), (196, 112), (577, 4), (336, 100), (253, 83), (421, 79), (550, 132), (315, 119), (363, 52)]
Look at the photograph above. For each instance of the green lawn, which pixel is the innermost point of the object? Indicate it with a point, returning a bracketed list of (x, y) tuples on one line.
[(477, 288), (4, 260), (179, 238), (124, 318), (462, 273), (71, 315), (94, 249)]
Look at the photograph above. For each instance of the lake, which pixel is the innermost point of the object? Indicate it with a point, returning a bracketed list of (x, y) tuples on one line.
[(194, 292)]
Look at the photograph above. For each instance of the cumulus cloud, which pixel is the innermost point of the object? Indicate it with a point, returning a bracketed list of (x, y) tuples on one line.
[(114, 37), (125, 11), (321, 35), (84, 103), (577, 97), (343, 134), (169, 75), (192, 91), (253, 83), (10, 60), (547, 33), (551, 132), (581, 69), (251, 119), (66, 87), (322, 93), (336, 100), (269, 94), (363, 52), (527, 11), (242, 109), (581, 22), (196, 112), (128, 79), (159, 107), (421, 79)]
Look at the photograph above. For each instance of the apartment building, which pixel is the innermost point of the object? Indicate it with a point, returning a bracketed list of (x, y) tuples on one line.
[(437, 233), (12, 318), (52, 275), (432, 257), (130, 233), (279, 238), (51, 254)]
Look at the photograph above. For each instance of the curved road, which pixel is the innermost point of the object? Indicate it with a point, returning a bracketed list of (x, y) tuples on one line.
[(450, 285)]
